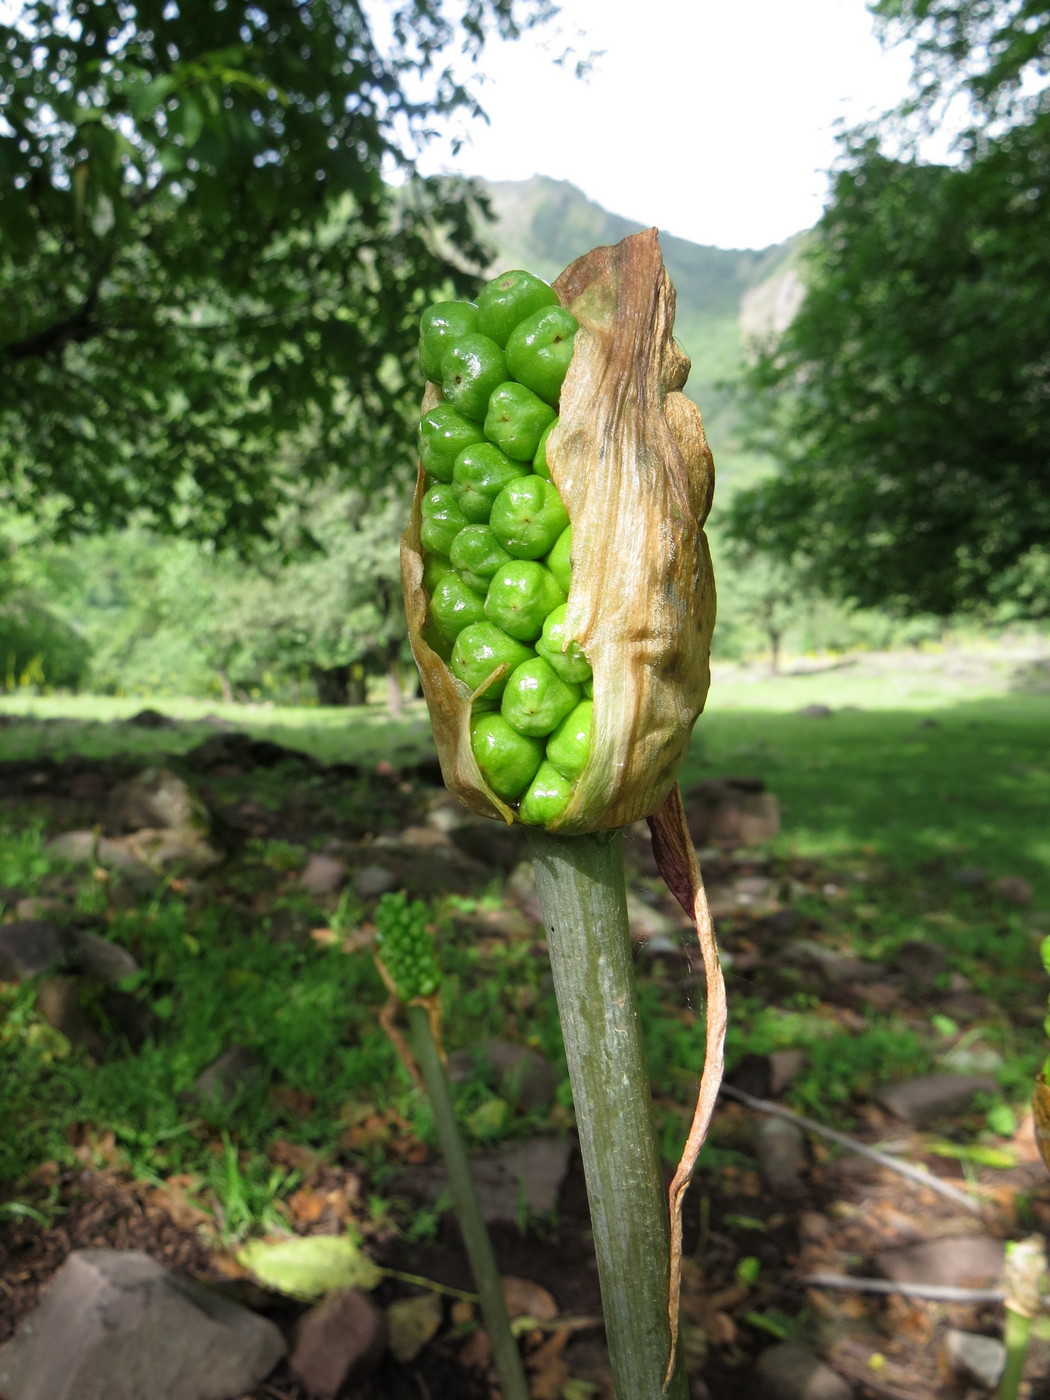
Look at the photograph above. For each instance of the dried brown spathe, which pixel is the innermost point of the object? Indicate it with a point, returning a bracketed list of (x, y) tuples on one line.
[(631, 462)]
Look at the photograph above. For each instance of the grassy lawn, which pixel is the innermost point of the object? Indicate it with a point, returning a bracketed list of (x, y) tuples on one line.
[(922, 770)]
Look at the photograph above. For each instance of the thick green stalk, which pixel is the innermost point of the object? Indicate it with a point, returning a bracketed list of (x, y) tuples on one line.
[(581, 887), (468, 1208), (1016, 1334)]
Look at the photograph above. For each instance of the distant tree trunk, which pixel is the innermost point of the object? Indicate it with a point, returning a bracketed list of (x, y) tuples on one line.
[(227, 688), (337, 685), (776, 636)]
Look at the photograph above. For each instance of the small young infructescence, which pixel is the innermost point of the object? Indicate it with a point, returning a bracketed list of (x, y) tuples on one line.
[(557, 580)]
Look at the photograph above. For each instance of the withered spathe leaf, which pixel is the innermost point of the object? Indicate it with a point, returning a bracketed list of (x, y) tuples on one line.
[(631, 461)]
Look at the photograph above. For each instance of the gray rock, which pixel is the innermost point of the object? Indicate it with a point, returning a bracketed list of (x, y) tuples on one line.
[(99, 958), (372, 880), (975, 1357), (791, 1372), (60, 1001), (816, 711), (920, 962), (172, 850), (338, 1343), (932, 1096), (79, 847), (1013, 889), (969, 876), (322, 875), (647, 922), (521, 1074), (781, 1150), (525, 1175), (41, 907), (493, 844), (234, 1070), (30, 948), (95, 1017), (159, 799), (835, 968), (973, 1261), (731, 812), (116, 1325)]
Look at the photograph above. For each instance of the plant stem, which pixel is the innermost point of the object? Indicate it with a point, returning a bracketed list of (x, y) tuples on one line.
[(468, 1208), (581, 887), (1016, 1338)]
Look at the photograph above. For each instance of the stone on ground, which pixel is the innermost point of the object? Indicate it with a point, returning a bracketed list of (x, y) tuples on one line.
[(338, 1343), (932, 1096), (790, 1372), (116, 1325), (975, 1357), (968, 1261)]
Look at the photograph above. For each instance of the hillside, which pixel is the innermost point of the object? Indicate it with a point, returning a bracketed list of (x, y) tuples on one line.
[(543, 224)]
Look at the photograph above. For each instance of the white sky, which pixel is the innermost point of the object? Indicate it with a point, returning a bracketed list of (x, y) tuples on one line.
[(713, 119)]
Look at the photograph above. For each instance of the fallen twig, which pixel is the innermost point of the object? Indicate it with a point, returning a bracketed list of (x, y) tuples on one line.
[(917, 1174), (934, 1292)]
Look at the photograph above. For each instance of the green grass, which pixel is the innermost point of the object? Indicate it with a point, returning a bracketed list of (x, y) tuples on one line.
[(886, 805)]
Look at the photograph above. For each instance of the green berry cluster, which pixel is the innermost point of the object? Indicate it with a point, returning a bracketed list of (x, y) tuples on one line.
[(496, 536), (404, 946)]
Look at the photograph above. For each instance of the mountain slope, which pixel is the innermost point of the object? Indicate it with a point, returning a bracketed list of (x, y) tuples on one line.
[(544, 224)]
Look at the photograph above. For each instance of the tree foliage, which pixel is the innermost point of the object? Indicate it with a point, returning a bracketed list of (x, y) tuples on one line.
[(908, 404), (207, 278)]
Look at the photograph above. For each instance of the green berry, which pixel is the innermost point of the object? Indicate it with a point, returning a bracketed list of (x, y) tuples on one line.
[(508, 299), (570, 743), (404, 946), (547, 797), (528, 516), (516, 420), (439, 326), (558, 560), (481, 472), (564, 655), (478, 554), (471, 369), (442, 519), (539, 460), (519, 598), (454, 605), (536, 699), (539, 351), (434, 569), (443, 434), (479, 650), (507, 759)]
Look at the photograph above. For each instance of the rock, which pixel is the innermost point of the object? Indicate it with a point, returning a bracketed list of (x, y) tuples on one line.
[(525, 1175), (791, 1372), (99, 958), (972, 1057), (731, 812), (970, 1261), (933, 1095), (495, 844), (782, 921), (373, 880), (156, 797), (116, 1325), (521, 1075), (815, 711), (10, 895), (920, 962), (235, 749), (30, 948), (338, 1343), (322, 875), (1013, 889), (969, 876), (781, 1150), (836, 969), (40, 907), (235, 1069), (84, 846), (975, 1357), (649, 923), (172, 850), (152, 719), (92, 1018)]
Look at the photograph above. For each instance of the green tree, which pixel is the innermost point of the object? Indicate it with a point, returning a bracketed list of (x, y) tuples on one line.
[(908, 404), (205, 267)]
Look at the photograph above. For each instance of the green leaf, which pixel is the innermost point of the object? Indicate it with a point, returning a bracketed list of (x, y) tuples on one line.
[(979, 1155), (312, 1266)]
